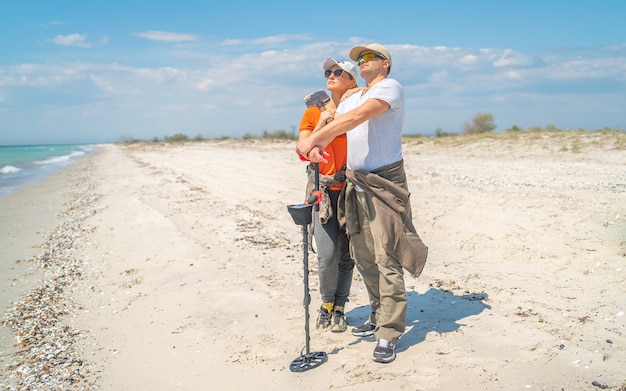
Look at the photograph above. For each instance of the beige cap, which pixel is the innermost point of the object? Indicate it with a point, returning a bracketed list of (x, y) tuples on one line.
[(356, 51)]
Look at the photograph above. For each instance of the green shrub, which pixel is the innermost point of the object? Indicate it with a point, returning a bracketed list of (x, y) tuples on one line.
[(481, 123)]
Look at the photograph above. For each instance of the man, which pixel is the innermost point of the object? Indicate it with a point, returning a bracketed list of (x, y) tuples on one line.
[(373, 120)]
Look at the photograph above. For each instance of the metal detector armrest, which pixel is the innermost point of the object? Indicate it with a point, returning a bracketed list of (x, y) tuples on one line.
[(301, 213)]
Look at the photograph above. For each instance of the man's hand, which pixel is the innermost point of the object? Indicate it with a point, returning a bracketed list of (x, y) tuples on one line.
[(350, 92), (316, 155)]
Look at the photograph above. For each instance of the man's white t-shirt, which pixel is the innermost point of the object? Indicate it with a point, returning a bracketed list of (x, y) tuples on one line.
[(377, 142)]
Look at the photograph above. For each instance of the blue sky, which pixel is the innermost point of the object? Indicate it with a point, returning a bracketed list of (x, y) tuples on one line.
[(91, 72)]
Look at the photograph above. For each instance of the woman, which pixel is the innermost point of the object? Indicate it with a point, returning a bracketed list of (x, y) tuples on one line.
[(335, 266)]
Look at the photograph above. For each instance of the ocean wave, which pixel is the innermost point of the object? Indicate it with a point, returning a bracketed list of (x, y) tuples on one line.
[(59, 159), (9, 170)]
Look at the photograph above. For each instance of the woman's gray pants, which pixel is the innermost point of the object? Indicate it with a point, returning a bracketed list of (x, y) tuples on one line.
[(335, 266)]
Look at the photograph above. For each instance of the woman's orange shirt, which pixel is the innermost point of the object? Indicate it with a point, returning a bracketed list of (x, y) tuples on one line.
[(337, 149)]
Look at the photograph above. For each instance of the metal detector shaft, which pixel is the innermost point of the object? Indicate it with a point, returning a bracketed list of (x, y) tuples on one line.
[(307, 297), (305, 248), (317, 185), (302, 215)]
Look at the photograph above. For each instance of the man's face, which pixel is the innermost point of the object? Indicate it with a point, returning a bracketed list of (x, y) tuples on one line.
[(371, 63)]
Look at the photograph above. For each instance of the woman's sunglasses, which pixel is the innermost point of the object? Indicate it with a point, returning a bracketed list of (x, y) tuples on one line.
[(336, 72)]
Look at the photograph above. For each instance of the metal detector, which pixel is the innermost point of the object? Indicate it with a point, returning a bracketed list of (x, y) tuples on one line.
[(302, 215)]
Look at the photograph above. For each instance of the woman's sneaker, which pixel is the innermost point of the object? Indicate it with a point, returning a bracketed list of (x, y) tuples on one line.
[(364, 330), (323, 318), (385, 351), (338, 324)]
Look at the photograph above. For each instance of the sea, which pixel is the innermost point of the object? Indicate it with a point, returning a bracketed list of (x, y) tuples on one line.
[(27, 164)]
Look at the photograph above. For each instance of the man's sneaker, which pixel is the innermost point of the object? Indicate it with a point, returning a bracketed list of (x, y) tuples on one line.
[(385, 351), (364, 330), (323, 318), (338, 324)]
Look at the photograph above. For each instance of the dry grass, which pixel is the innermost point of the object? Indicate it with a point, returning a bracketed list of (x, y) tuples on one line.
[(560, 141)]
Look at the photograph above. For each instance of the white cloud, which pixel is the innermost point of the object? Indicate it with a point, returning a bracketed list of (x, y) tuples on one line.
[(36, 75), (52, 24), (468, 59), (279, 39), (205, 84), (261, 87), (79, 40), (439, 77), (581, 68), (161, 74), (103, 84), (165, 36), (269, 40), (232, 42), (115, 86)]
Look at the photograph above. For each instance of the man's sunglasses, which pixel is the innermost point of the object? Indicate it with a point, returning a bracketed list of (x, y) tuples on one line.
[(336, 72), (369, 57)]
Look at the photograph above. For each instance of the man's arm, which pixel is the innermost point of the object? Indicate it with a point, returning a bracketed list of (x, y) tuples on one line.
[(313, 145)]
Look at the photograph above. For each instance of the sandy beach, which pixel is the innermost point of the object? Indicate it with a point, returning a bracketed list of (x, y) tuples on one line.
[(177, 266)]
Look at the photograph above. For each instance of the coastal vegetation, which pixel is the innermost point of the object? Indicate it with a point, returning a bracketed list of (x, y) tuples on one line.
[(513, 132), (482, 125)]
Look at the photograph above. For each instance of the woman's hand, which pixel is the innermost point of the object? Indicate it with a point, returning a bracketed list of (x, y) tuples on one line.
[(325, 117)]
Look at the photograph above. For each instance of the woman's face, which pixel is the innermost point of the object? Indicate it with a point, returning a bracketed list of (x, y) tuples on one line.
[(340, 83)]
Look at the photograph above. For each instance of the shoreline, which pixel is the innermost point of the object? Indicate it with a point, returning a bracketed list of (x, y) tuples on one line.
[(25, 221), (39, 238), (190, 270)]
